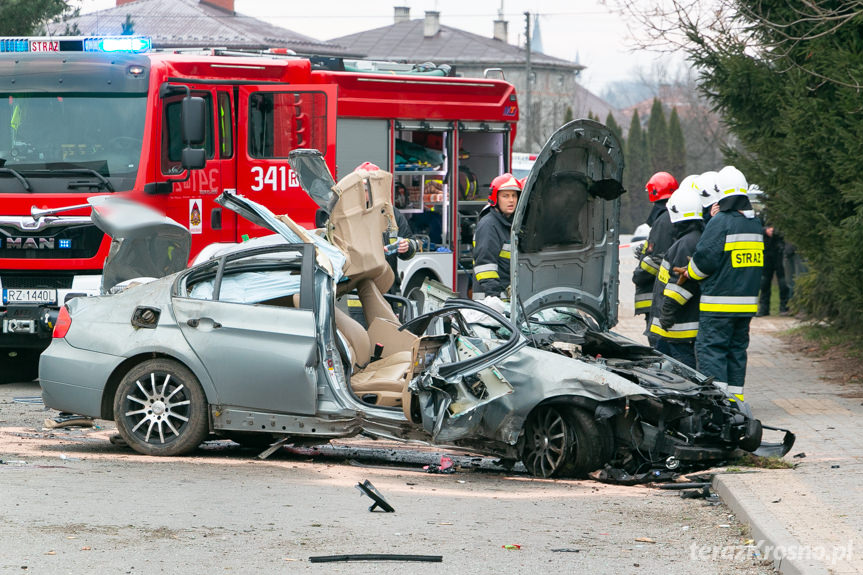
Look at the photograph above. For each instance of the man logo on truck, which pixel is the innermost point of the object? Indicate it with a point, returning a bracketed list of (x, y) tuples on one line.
[(29, 243)]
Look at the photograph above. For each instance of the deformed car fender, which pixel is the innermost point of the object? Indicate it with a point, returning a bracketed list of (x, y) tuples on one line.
[(539, 376)]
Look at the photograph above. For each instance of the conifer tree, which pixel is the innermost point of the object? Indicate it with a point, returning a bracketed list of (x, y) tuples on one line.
[(677, 146), (634, 206), (659, 146)]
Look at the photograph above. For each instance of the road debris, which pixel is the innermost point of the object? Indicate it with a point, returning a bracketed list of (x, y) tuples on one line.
[(68, 420), (446, 465), (376, 557), (366, 488)]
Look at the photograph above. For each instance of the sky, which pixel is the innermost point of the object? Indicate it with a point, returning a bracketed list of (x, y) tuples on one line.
[(586, 30)]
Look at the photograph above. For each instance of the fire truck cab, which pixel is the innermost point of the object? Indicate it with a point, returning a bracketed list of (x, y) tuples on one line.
[(90, 116)]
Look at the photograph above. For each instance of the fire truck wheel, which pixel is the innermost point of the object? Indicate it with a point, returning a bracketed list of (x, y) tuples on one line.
[(160, 408), (23, 367)]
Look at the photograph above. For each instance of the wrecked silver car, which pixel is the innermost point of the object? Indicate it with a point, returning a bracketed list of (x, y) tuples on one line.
[(252, 344)]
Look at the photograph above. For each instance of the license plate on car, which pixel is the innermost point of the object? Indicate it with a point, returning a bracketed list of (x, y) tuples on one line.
[(13, 296)]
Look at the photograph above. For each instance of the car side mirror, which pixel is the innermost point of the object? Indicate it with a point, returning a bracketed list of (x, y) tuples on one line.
[(194, 112), (193, 158)]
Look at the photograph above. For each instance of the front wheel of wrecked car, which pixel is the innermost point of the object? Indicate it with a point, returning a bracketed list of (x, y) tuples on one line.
[(160, 408), (562, 441)]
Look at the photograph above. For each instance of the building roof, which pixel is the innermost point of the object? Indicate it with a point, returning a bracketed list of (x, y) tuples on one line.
[(585, 102), (192, 23), (406, 41)]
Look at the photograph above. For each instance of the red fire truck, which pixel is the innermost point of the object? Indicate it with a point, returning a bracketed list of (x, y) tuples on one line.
[(87, 116)]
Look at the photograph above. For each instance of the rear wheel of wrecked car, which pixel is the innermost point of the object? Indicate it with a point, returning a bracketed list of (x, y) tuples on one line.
[(160, 408), (562, 441)]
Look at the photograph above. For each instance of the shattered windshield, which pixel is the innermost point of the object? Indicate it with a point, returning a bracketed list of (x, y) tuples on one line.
[(42, 133)]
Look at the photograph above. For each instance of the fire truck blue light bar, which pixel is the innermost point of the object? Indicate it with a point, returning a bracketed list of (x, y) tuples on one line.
[(128, 44)]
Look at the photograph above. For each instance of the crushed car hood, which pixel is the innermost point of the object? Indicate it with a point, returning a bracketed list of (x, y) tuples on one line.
[(565, 227)]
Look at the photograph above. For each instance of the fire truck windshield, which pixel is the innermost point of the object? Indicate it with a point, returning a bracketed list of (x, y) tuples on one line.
[(41, 134)]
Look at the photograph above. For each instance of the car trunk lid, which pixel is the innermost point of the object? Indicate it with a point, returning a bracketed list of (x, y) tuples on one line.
[(145, 243)]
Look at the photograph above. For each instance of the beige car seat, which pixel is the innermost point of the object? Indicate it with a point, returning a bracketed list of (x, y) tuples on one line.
[(358, 223)]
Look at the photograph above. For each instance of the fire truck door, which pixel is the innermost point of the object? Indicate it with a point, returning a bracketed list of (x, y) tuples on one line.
[(191, 201), (273, 120), (222, 222)]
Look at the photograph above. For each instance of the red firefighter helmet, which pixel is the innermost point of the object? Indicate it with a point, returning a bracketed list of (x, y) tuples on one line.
[(367, 166), (503, 182), (660, 186)]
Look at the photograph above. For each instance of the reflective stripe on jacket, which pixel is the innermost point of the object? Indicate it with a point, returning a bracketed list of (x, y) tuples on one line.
[(491, 253), (676, 306), (660, 239), (728, 261)]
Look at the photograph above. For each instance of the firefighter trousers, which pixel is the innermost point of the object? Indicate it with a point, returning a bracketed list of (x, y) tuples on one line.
[(720, 348)]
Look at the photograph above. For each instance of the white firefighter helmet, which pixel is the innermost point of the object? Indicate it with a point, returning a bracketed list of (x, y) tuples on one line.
[(685, 203), (731, 182), (707, 188)]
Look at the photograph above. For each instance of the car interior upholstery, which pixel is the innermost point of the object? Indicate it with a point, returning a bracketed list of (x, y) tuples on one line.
[(382, 357)]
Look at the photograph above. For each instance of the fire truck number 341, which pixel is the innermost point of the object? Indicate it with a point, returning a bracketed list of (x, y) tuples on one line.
[(274, 178)]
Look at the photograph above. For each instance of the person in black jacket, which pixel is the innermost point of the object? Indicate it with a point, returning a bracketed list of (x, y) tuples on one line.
[(674, 314), (774, 251), (491, 245), (727, 262), (405, 248), (659, 188)]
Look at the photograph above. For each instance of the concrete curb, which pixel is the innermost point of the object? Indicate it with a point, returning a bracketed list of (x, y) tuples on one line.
[(769, 533)]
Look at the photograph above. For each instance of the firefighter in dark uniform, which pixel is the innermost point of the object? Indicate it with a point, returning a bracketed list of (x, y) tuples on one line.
[(659, 188), (491, 246), (706, 184), (727, 261), (674, 314), (406, 247)]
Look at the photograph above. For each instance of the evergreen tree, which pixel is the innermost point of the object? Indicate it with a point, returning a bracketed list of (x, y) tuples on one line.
[(567, 115), (789, 91), (677, 146), (659, 147), (612, 125), (634, 206), (27, 17)]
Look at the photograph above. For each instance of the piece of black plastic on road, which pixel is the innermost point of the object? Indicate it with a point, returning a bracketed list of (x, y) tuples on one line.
[(376, 557), (367, 488)]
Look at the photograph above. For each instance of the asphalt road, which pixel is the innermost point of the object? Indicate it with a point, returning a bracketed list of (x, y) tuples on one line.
[(72, 502)]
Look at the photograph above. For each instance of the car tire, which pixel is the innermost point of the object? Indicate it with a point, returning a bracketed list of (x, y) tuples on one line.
[(22, 368), (160, 408), (562, 441)]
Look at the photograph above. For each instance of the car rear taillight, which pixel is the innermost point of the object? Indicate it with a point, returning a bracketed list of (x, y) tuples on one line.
[(64, 322)]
